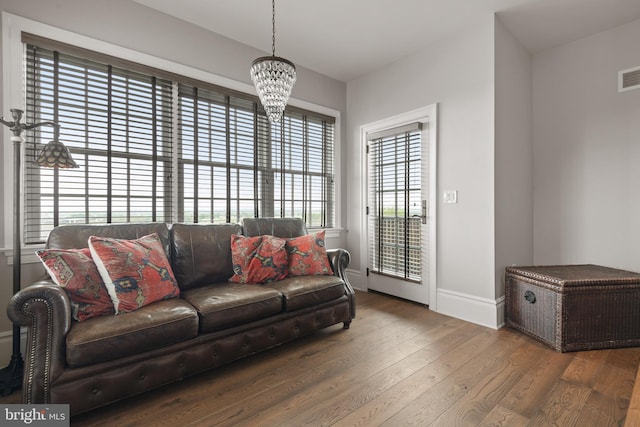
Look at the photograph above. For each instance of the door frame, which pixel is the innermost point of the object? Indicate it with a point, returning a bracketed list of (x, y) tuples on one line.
[(429, 115)]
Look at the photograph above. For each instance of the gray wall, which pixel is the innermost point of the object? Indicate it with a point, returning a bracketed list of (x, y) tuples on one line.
[(129, 24), (456, 73), (587, 152)]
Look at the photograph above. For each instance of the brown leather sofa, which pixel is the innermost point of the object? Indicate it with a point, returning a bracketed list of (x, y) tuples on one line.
[(104, 359)]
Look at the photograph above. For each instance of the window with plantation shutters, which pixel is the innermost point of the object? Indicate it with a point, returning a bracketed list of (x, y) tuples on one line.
[(233, 163), (156, 146), (302, 169), (222, 156), (395, 202), (117, 125)]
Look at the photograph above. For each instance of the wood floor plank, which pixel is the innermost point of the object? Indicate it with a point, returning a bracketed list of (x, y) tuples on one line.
[(615, 382), (430, 405), (632, 418), (503, 417), (601, 410), (474, 406), (377, 410), (585, 367), (625, 358), (537, 382), (609, 400), (347, 398), (563, 405)]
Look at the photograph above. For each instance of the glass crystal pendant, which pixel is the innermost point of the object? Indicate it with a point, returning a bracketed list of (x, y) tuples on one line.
[(273, 78)]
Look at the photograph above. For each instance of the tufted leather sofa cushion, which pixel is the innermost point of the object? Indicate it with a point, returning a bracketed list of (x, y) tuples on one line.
[(157, 325), (202, 253), (229, 304), (307, 291)]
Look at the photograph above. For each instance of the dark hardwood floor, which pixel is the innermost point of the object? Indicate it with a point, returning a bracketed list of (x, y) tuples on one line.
[(399, 364)]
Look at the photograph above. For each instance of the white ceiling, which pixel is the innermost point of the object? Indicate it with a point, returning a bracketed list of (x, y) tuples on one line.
[(344, 39)]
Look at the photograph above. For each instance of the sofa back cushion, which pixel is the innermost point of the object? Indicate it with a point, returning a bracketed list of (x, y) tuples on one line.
[(202, 253), (279, 227), (76, 236)]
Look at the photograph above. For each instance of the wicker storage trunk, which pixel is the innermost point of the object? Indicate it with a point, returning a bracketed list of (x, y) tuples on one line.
[(574, 307)]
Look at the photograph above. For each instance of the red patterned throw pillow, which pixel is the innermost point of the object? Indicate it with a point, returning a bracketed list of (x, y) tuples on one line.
[(75, 272), (135, 272), (259, 259), (243, 250), (308, 255)]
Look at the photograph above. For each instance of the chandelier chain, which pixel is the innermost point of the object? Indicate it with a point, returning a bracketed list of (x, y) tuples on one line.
[(273, 25)]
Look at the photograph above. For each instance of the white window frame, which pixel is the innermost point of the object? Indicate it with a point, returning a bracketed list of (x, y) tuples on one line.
[(14, 91)]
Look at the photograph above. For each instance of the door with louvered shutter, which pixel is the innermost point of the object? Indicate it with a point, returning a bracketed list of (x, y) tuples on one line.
[(397, 212)]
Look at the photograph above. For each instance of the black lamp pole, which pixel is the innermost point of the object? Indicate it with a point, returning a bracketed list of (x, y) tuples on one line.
[(11, 375)]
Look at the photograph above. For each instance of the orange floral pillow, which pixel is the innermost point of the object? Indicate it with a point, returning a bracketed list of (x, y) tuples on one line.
[(308, 255), (135, 272), (75, 272), (259, 259)]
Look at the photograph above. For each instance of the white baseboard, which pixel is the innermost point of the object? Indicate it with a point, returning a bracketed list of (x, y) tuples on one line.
[(482, 311)]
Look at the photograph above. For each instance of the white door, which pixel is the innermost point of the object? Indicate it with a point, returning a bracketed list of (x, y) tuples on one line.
[(398, 211)]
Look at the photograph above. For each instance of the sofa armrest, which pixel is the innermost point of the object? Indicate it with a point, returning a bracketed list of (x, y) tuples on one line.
[(339, 259), (45, 310)]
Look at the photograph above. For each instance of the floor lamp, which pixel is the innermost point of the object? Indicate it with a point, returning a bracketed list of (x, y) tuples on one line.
[(53, 155)]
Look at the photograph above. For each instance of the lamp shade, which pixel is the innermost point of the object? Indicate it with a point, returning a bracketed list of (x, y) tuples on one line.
[(55, 155)]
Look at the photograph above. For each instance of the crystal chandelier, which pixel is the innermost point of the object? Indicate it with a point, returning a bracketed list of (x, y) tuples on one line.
[(273, 78)]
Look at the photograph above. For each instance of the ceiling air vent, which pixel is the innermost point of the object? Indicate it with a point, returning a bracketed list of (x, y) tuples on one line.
[(629, 79)]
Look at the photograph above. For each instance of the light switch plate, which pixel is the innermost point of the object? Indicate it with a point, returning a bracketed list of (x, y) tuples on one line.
[(451, 196)]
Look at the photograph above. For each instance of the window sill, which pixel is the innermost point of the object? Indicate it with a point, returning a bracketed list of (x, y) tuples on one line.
[(330, 233), (28, 255)]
